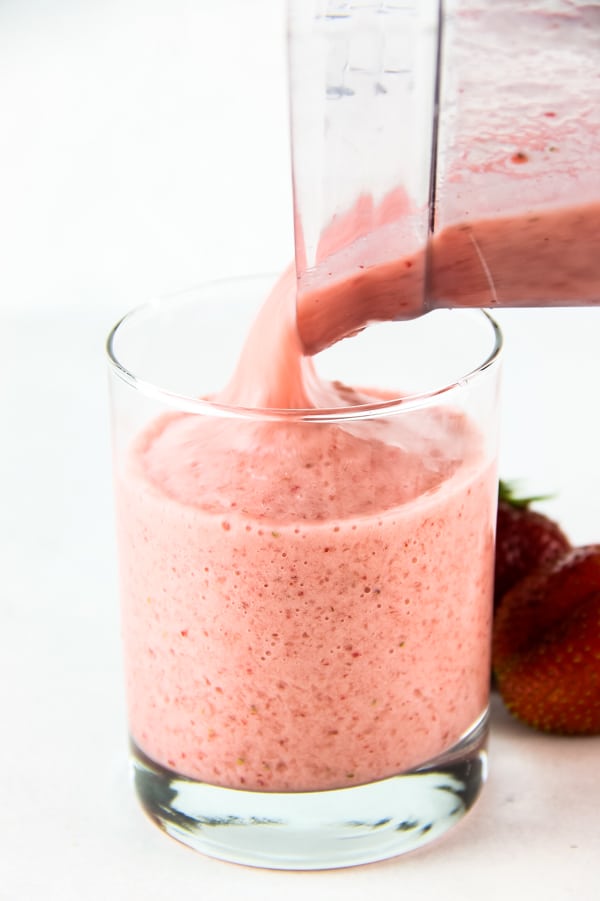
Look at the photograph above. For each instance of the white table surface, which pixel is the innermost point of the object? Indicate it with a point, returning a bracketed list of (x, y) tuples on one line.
[(144, 149)]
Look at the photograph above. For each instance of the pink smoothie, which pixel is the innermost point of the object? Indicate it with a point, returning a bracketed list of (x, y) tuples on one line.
[(306, 605)]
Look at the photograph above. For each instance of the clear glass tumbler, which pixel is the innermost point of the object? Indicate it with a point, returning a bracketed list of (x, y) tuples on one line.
[(306, 594)]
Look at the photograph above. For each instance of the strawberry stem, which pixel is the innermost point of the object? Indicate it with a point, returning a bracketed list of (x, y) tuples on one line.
[(508, 492)]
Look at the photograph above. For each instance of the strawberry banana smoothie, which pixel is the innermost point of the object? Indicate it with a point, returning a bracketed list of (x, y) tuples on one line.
[(307, 605)]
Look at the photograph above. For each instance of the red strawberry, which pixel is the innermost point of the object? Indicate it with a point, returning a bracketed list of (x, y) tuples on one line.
[(546, 646), (525, 540)]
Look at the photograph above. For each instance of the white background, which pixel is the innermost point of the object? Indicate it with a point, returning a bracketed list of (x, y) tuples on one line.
[(144, 149)]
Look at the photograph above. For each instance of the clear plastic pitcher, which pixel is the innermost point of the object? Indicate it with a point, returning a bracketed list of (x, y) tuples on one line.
[(444, 154)]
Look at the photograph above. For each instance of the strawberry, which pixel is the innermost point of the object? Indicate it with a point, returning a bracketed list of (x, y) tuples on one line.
[(546, 645), (525, 539)]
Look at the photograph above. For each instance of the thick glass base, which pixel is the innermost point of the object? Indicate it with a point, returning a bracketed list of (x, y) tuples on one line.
[(317, 830)]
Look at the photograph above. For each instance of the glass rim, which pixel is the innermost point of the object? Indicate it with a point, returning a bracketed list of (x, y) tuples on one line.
[(206, 406)]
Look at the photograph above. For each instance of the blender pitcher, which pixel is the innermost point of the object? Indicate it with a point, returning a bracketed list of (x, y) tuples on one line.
[(445, 154)]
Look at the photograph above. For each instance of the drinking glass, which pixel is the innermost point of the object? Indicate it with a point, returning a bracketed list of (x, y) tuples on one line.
[(306, 594)]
